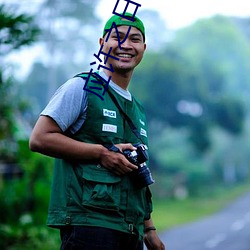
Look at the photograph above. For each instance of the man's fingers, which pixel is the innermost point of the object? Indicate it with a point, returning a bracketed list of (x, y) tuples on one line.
[(118, 163), (124, 146), (125, 166)]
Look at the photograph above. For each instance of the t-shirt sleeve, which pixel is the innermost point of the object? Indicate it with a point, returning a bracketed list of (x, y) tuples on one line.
[(68, 105)]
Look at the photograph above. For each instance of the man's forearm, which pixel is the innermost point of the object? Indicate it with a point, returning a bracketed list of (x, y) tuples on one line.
[(48, 139)]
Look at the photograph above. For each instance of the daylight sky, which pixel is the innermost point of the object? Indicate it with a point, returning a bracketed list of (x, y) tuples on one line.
[(180, 13), (177, 13)]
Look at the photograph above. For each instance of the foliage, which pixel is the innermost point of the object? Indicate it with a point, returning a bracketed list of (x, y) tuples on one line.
[(31, 192), (75, 37), (24, 202), (219, 49), (66, 47), (195, 92), (243, 24), (8, 105), (196, 96), (229, 113), (15, 30), (24, 235), (38, 80)]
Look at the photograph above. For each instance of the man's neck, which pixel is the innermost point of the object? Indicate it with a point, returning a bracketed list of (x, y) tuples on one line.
[(121, 80)]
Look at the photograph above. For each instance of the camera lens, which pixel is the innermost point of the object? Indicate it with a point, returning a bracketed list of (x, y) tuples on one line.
[(144, 176)]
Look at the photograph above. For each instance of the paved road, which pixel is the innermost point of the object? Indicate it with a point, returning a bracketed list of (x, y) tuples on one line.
[(226, 230)]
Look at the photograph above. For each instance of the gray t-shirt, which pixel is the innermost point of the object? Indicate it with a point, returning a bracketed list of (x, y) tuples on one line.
[(68, 106)]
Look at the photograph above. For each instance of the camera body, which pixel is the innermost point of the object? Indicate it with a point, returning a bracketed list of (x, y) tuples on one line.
[(142, 177)]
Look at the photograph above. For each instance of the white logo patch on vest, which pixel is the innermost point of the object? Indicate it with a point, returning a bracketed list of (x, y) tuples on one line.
[(109, 113), (109, 128), (143, 132), (142, 122)]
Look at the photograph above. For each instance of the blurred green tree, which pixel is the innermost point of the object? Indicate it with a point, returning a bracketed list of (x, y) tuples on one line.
[(68, 30), (197, 81), (19, 197), (16, 31), (196, 94)]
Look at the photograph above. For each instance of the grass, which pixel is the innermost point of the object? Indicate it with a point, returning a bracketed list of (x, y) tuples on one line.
[(170, 213)]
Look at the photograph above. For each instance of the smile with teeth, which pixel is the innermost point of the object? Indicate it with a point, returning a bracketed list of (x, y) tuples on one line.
[(125, 55)]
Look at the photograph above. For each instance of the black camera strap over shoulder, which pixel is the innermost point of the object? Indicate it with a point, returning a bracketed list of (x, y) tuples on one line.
[(125, 116)]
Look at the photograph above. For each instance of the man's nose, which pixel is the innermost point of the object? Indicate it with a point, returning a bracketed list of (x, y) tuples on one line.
[(126, 44)]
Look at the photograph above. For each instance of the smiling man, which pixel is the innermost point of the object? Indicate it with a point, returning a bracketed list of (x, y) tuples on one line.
[(95, 198), (129, 50)]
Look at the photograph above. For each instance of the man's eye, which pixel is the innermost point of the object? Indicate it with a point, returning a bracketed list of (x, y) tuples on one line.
[(136, 39)]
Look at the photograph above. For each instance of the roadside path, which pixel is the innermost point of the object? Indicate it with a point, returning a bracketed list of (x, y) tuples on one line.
[(228, 229)]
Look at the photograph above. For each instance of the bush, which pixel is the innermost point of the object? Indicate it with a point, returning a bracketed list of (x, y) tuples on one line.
[(24, 204)]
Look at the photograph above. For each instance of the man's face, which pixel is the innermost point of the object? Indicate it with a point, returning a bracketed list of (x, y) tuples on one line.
[(132, 49)]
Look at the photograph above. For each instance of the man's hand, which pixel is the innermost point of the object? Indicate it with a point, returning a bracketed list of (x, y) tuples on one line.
[(116, 162), (152, 241)]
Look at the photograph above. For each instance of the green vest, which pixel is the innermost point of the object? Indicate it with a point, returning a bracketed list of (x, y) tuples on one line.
[(85, 193)]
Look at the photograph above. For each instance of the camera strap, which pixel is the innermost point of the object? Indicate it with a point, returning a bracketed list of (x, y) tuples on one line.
[(125, 116)]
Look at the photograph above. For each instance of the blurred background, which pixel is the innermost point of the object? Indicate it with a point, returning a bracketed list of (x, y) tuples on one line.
[(194, 82)]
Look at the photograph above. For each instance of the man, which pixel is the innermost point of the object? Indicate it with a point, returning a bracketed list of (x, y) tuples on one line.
[(95, 202)]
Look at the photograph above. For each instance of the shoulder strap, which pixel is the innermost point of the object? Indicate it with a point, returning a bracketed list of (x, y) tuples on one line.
[(126, 117)]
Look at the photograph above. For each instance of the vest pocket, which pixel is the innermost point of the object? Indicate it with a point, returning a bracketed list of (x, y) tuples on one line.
[(101, 188)]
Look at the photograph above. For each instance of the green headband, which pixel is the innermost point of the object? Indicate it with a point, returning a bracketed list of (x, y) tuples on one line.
[(120, 21)]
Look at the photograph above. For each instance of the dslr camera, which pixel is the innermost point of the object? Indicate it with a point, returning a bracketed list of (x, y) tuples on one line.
[(142, 176)]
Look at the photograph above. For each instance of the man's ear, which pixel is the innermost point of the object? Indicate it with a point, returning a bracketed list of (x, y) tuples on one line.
[(101, 41)]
